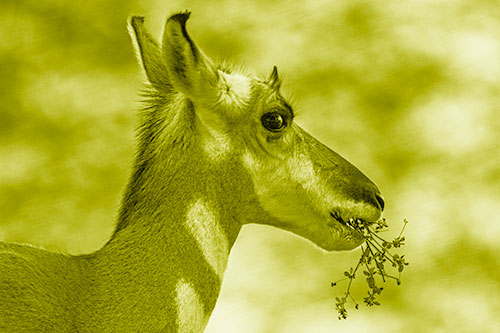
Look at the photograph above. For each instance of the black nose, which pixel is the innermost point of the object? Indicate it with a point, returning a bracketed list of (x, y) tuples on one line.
[(380, 201)]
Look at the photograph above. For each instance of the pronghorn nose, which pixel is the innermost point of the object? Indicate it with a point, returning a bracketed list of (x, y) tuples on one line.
[(380, 200)]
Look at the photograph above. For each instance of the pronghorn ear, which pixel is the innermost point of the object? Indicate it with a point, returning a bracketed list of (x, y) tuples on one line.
[(149, 53), (274, 81), (190, 71)]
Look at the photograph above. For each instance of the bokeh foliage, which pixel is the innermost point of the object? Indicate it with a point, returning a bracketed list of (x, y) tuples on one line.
[(409, 91)]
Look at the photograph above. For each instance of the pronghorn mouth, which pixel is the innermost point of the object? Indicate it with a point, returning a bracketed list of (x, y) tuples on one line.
[(338, 218), (352, 223)]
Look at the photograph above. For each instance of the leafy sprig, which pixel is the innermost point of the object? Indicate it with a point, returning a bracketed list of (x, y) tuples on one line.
[(375, 257)]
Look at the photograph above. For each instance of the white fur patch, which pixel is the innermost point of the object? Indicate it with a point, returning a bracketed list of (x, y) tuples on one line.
[(191, 317), (250, 162), (203, 225), (216, 148), (236, 89), (216, 142)]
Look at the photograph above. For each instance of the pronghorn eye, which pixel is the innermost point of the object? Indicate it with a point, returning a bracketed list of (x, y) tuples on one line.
[(273, 121)]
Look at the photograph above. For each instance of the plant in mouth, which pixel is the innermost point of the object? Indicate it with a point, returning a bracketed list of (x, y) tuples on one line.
[(375, 255)]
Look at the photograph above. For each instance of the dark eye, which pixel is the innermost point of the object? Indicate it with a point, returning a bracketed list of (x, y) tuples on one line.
[(273, 121)]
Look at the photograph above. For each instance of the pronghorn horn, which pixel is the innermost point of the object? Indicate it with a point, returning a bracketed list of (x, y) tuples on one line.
[(274, 81)]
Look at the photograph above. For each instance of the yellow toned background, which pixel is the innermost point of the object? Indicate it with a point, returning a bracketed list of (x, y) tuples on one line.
[(409, 91)]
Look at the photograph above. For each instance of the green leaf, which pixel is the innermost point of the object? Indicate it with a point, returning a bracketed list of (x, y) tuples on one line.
[(371, 282)]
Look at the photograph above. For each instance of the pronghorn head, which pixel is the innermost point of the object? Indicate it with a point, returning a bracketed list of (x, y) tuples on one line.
[(300, 184)]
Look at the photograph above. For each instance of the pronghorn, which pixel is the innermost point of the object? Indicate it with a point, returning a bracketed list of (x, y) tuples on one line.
[(217, 149)]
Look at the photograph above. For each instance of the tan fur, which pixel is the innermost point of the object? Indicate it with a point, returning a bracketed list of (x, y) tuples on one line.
[(207, 163)]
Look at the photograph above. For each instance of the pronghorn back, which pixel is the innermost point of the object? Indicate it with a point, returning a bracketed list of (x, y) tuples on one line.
[(217, 149)]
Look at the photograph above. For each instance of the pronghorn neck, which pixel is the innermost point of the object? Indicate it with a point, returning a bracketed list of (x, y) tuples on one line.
[(179, 220)]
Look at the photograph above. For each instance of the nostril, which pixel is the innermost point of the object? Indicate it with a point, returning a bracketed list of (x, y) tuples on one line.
[(381, 202)]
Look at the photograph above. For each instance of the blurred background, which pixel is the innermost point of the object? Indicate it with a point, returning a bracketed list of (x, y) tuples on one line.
[(407, 91)]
